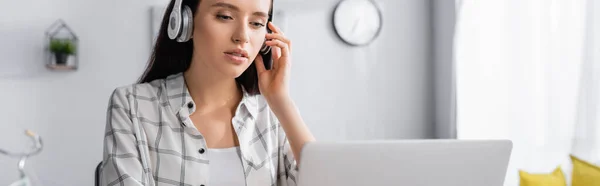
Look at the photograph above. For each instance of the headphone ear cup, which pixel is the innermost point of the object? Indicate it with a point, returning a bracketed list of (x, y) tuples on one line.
[(188, 24), (174, 27)]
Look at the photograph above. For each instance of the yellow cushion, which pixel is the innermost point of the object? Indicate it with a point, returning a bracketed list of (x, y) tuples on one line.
[(585, 173), (556, 178)]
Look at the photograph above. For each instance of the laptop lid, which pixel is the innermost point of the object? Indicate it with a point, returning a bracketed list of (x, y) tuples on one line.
[(405, 162)]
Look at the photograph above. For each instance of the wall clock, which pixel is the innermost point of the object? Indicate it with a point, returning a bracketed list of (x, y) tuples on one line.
[(357, 22)]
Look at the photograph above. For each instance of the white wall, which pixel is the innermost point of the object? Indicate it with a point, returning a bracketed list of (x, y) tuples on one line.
[(383, 91), (66, 109)]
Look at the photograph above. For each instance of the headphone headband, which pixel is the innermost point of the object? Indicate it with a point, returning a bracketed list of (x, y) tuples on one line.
[(181, 23)]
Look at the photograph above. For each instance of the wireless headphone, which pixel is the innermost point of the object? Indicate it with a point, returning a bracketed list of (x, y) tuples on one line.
[(181, 24)]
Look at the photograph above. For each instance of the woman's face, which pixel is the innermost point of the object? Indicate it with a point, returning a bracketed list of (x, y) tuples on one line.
[(228, 34)]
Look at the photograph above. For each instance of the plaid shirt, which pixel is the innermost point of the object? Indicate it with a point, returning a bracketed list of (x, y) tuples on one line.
[(150, 139)]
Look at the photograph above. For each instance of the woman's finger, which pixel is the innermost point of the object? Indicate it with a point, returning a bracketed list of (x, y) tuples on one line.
[(279, 37), (282, 38), (274, 28), (277, 56), (281, 45)]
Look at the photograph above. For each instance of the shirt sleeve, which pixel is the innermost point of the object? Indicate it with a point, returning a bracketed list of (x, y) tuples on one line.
[(288, 168), (121, 159)]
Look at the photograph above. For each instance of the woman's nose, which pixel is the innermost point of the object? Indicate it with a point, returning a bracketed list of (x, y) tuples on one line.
[(241, 35)]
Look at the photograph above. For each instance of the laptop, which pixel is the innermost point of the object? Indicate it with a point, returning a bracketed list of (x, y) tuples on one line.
[(405, 162)]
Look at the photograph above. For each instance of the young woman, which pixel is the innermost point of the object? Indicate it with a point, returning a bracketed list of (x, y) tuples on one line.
[(207, 112)]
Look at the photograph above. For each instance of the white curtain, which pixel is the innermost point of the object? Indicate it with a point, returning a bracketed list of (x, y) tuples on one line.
[(527, 70), (587, 138)]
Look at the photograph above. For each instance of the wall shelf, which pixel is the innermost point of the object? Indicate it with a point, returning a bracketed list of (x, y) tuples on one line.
[(61, 67)]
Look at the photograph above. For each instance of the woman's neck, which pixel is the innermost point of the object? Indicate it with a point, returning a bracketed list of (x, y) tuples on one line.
[(210, 90)]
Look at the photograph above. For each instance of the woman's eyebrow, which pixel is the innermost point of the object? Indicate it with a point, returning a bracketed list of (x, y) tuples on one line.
[(235, 8)]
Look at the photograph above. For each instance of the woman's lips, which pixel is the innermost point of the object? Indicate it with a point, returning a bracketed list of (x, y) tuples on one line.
[(235, 58)]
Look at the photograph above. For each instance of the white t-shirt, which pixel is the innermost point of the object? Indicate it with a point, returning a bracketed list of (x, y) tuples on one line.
[(226, 167)]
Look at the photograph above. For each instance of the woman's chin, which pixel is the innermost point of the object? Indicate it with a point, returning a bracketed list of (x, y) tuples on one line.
[(232, 70), (235, 72)]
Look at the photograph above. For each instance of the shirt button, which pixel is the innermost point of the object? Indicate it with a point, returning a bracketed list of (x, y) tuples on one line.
[(190, 105), (201, 151)]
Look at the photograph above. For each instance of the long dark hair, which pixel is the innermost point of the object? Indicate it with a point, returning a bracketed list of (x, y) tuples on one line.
[(171, 57)]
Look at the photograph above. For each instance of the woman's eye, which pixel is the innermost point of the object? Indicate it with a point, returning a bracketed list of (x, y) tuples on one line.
[(256, 24), (224, 17)]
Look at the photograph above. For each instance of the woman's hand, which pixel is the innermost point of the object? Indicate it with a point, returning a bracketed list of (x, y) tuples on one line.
[(273, 83)]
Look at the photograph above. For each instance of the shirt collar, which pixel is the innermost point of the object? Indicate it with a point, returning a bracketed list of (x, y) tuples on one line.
[(179, 97)]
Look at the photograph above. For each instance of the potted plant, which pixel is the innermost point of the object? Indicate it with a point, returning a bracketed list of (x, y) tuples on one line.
[(62, 49)]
